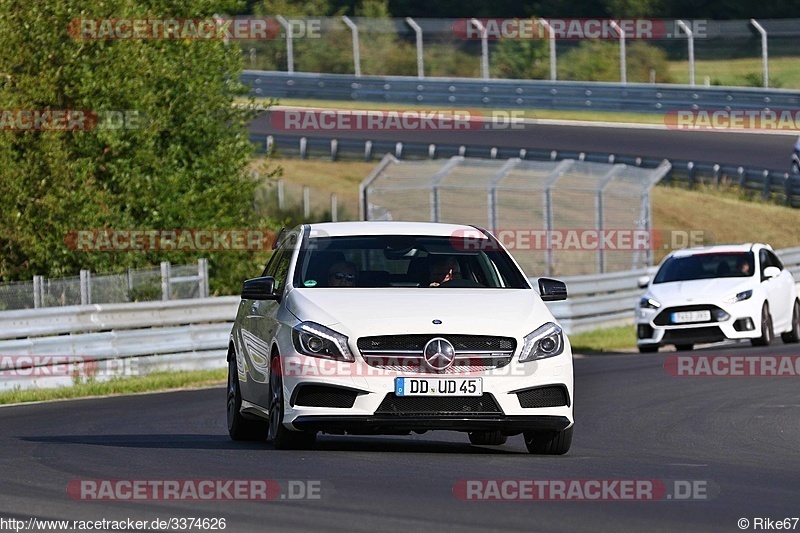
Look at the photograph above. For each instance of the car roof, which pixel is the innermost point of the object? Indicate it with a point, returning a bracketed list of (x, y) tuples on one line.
[(721, 248), (435, 229)]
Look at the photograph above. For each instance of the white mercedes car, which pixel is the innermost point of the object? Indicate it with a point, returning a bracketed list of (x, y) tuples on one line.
[(703, 295), (369, 328)]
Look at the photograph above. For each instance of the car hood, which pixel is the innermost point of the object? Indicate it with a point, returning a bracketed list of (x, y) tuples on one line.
[(698, 290), (359, 312)]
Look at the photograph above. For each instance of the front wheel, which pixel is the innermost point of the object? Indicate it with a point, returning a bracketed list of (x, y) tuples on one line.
[(283, 438), (239, 427), (766, 329), (793, 335), (548, 442)]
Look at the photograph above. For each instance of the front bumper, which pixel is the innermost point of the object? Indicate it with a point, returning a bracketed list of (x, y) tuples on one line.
[(381, 425), (743, 322)]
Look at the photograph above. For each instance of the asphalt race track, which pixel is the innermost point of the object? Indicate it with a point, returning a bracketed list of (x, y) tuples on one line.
[(739, 438), (730, 148)]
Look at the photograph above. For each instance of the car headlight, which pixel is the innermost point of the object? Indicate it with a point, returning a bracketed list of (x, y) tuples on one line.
[(733, 298), (316, 340), (649, 303), (546, 341)]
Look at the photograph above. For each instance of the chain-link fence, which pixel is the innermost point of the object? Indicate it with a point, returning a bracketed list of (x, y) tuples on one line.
[(729, 53), (135, 285), (537, 209)]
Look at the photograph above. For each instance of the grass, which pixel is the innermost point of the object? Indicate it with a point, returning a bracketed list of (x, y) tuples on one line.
[(153, 382), (604, 340), (783, 71)]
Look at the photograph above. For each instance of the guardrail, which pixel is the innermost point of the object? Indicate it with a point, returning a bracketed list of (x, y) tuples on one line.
[(502, 93), (139, 338), (775, 184)]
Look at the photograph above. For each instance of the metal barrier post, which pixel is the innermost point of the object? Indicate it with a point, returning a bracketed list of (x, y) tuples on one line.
[(552, 39)]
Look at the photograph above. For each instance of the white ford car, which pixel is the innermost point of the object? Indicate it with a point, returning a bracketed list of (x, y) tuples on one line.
[(711, 294), (369, 328)]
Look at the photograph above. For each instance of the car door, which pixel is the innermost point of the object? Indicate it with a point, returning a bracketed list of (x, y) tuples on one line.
[(261, 323)]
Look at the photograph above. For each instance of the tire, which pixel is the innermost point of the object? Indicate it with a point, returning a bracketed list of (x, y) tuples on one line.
[(793, 335), (548, 442), (648, 348), (766, 329), (684, 347), (239, 427), (283, 438), (488, 438)]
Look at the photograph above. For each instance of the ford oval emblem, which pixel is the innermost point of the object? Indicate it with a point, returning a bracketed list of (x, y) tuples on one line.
[(437, 321)]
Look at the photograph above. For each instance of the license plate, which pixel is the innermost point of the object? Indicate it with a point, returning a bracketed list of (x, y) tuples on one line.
[(438, 386), (684, 317)]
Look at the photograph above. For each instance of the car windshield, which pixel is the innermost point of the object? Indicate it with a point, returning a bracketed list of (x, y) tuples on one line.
[(706, 266), (404, 261)]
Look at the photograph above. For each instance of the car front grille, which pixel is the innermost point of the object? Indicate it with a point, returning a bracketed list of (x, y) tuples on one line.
[(550, 396), (438, 405), (403, 353), (664, 318)]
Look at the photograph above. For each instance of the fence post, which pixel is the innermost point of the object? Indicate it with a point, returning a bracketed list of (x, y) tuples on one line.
[(306, 202), (418, 32), (623, 76), (38, 291), (767, 184), (281, 195), (86, 287), (202, 273), (484, 47), (334, 208), (691, 171), (289, 45), (356, 52), (764, 53), (690, 38), (130, 284), (552, 39), (166, 290)]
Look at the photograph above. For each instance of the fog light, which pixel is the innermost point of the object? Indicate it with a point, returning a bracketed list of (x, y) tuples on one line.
[(744, 324)]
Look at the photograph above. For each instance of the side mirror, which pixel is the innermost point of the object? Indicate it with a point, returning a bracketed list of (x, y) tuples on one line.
[(643, 282), (771, 272), (552, 290), (259, 289)]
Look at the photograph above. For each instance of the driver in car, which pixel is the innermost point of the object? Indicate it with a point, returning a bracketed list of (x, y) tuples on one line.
[(443, 270)]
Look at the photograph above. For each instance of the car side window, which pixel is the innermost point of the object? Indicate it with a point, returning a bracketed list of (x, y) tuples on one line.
[(278, 266), (774, 260), (764, 260)]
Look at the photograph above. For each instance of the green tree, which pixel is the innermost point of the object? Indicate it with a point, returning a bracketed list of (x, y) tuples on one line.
[(183, 167)]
